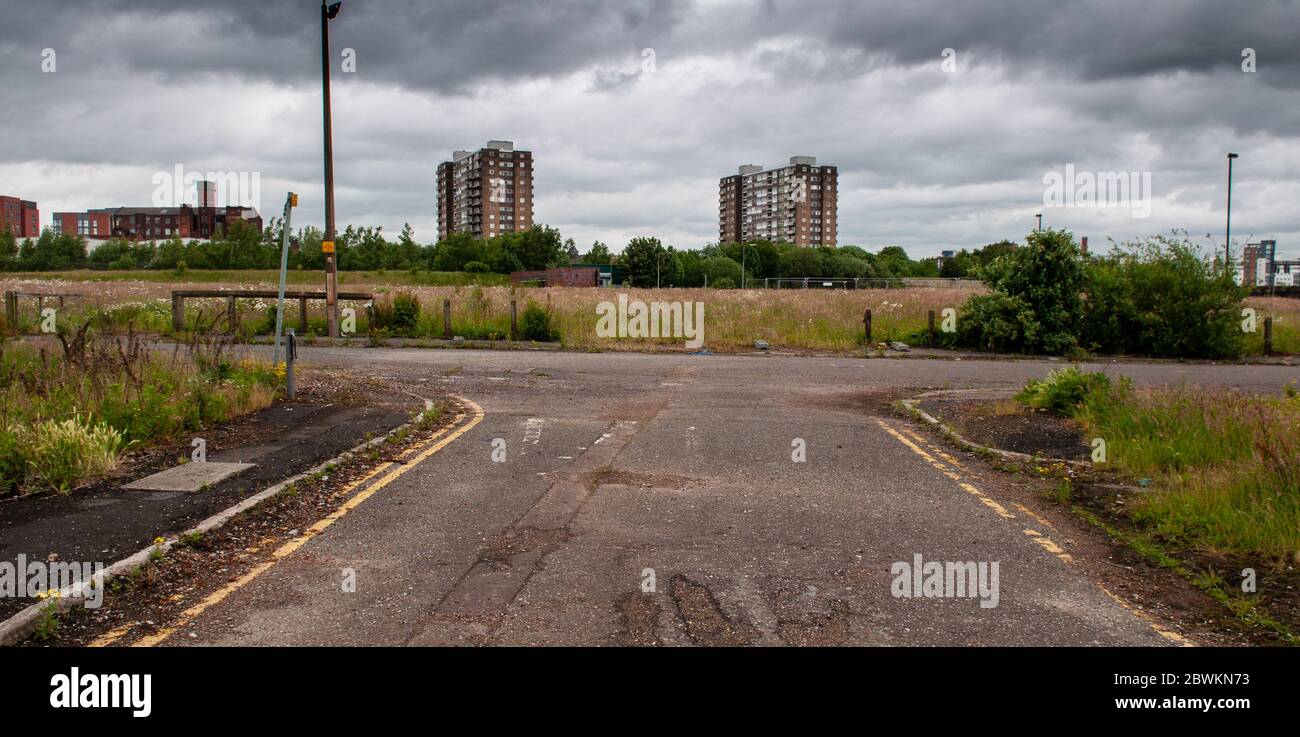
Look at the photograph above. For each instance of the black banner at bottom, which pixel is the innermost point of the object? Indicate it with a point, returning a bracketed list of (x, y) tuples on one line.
[(303, 686)]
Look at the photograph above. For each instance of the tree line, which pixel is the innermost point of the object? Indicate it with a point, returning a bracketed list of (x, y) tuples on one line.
[(645, 261)]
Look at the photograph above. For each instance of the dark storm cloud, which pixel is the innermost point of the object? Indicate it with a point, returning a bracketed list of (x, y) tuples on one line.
[(448, 46), (440, 46), (927, 159)]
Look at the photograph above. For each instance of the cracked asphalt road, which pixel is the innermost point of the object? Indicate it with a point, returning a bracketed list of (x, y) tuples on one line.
[(623, 470)]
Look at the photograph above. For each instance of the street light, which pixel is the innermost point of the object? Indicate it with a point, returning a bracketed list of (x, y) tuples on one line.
[(1040, 221), (1227, 228), (328, 13), (742, 265)]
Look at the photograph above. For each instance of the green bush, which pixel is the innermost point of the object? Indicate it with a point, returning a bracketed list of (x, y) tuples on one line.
[(1064, 390), (1161, 298), (477, 267), (1047, 276), (998, 323), (406, 313), (537, 323)]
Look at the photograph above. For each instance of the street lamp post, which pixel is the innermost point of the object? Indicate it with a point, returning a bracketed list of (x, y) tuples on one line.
[(742, 265), (327, 13), (1227, 228), (1040, 221)]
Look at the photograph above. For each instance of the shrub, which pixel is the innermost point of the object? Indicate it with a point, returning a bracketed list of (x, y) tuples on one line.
[(406, 312), (1064, 390), (63, 454), (723, 282), (537, 323), (1162, 298), (477, 267), (1047, 276), (998, 323)]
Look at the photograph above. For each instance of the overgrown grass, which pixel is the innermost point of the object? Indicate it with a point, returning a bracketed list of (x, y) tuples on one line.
[(1224, 464), (68, 408)]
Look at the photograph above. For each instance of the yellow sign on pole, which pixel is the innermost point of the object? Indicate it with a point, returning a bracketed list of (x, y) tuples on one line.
[(327, 246)]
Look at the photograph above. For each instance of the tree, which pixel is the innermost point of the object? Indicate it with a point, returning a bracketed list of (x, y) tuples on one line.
[(720, 268), (539, 247), (1046, 278), (599, 254), (647, 259)]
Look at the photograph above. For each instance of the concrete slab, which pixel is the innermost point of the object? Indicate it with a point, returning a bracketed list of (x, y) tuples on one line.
[(188, 477)]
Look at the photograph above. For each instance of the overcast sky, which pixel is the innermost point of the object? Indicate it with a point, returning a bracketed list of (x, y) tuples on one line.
[(635, 109)]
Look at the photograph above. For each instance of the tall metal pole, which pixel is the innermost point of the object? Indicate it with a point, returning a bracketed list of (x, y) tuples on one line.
[(289, 203), (1227, 228), (742, 265), (327, 244)]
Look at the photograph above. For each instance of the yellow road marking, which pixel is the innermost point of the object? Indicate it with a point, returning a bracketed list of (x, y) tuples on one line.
[(1164, 632), (1038, 537), (433, 445), (1030, 513), (937, 451)]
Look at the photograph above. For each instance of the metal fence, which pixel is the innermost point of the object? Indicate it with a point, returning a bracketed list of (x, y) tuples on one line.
[(843, 283)]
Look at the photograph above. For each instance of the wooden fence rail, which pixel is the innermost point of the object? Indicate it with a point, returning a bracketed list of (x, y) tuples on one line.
[(180, 295)]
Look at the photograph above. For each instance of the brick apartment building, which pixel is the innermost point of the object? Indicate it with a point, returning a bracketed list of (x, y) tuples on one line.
[(203, 220), (795, 203), (91, 224), (20, 217), (487, 192)]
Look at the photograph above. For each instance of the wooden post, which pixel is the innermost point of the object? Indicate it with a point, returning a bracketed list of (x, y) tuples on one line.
[(446, 319), (866, 320), (232, 316), (931, 328), (514, 320), (1268, 336), (302, 315), (11, 309), (178, 313)]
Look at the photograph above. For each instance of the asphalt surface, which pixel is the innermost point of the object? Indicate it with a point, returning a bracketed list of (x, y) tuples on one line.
[(622, 465)]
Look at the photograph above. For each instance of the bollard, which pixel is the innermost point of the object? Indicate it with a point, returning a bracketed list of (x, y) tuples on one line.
[(866, 320), (446, 319), (1268, 336), (514, 320), (178, 313), (290, 356), (932, 328)]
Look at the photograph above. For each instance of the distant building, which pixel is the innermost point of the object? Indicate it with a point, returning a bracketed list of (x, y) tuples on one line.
[(20, 217), (486, 193), (796, 204), (202, 220), (91, 224), (1260, 267)]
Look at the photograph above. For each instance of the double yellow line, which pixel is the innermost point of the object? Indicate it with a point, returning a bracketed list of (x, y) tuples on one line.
[(440, 440), (1043, 541)]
